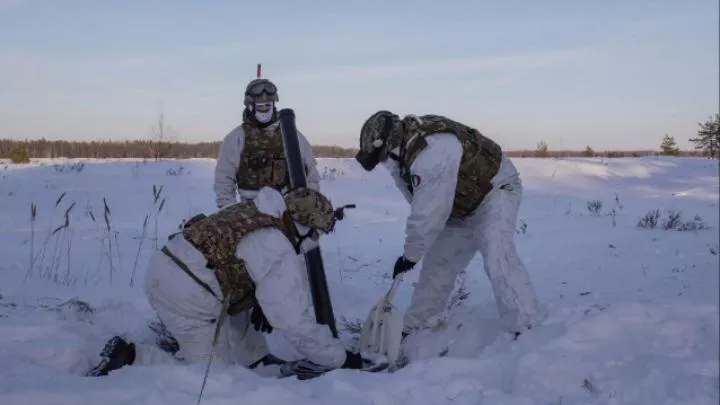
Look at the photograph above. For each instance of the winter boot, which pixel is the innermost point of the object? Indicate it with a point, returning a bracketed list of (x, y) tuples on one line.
[(116, 353), (268, 360)]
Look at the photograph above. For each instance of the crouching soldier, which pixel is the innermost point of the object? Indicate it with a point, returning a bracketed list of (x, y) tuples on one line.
[(238, 267)]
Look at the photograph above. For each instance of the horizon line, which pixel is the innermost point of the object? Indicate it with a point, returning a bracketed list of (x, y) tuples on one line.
[(177, 142)]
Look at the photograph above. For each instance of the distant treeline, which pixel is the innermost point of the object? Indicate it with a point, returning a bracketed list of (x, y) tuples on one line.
[(149, 149), (586, 153), (142, 149)]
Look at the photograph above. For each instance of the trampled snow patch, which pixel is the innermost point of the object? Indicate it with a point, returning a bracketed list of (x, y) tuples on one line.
[(633, 311)]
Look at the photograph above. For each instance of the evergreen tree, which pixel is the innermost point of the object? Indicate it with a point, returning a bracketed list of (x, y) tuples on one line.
[(668, 146), (708, 137)]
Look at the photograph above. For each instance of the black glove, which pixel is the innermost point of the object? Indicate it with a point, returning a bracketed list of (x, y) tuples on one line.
[(352, 360), (402, 265), (356, 362), (305, 369), (259, 321), (339, 212)]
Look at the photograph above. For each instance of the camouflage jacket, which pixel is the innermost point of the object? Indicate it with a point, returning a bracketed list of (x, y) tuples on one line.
[(263, 159), (480, 160), (217, 236)]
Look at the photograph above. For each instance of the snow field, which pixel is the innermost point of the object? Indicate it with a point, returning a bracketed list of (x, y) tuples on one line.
[(633, 311)]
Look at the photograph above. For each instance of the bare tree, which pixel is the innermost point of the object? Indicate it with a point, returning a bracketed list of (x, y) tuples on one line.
[(542, 150), (161, 138)]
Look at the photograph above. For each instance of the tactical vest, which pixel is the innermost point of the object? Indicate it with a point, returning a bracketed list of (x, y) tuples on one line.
[(262, 162), (480, 160), (216, 237)]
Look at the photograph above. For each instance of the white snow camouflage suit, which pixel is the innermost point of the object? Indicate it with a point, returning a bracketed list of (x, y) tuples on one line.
[(281, 289), (233, 154), (447, 245)]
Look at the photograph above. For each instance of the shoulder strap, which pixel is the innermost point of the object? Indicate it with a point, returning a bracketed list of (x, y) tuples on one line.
[(185, 268)]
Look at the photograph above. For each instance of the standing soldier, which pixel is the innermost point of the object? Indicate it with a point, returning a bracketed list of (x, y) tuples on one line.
[(464, 196), (252, 155)]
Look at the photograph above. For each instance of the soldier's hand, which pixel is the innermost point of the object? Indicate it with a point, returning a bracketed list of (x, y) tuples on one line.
[(259, 321), (340, 211), (402, 265)]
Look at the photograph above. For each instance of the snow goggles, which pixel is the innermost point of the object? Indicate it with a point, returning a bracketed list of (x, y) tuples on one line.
[(368, 160), (262, 87)]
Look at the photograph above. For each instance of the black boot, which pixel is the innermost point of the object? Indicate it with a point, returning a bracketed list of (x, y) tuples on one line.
[(116, 353), (268, 360)]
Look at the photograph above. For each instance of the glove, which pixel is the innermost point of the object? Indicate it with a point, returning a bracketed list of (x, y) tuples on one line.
[(353, 360), (339, 212), (402, 265), (305, 369), (356, 362), (259, 321)]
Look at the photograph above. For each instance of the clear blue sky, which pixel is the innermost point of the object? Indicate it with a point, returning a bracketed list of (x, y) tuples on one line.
[(607, 73)]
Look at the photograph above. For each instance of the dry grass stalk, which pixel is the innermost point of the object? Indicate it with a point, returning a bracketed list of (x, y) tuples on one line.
[(33, 217), (137, 254), (157, 192)]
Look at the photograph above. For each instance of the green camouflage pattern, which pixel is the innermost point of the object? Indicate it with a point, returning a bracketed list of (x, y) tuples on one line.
[(216, 237), (373, 128), (311, 208), (262, 162), (480, 160)]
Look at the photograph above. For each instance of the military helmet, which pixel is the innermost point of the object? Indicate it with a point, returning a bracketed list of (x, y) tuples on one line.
[(379, 134), (260, 90), (310, 208)]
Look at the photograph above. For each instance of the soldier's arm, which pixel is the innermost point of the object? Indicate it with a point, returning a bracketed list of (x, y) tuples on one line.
[(226, 167), (312, 176), (282, 292), (435, 171)]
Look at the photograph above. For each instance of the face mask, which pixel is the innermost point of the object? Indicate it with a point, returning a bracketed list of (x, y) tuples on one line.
[(263, 117), (263, 112), (306, 242)]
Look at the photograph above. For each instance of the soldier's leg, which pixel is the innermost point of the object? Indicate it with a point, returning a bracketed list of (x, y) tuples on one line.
[(495, 230), (447, 257), (118, 353), (191, 314), (246, 345), (147, 354)]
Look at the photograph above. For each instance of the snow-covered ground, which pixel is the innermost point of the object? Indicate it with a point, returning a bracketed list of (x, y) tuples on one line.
[(633, 311)]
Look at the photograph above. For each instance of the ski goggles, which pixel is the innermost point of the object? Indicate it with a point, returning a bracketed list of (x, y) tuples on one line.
[(368, 160), (262, 87)]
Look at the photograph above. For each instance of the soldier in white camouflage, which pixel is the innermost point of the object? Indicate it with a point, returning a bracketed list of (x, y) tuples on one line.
[(464, 195), (239, 266), (252, 155)]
